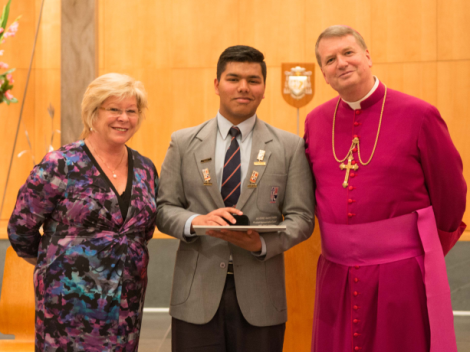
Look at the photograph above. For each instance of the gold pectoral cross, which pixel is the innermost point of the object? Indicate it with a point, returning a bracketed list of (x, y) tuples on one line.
[(348, 168)]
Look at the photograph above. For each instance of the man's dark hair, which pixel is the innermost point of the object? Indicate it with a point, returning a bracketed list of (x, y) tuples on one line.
[(240, 53)]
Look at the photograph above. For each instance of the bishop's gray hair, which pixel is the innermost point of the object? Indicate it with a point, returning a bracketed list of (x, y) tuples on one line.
[(338, 31)]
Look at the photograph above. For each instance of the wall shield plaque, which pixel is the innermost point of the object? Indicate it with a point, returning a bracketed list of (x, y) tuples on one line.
[(298, 83)]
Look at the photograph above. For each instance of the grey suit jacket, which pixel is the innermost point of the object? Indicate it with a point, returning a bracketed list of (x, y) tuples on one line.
[(201, 263)]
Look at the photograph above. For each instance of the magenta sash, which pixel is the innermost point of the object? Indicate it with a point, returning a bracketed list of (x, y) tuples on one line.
[(396, 239)]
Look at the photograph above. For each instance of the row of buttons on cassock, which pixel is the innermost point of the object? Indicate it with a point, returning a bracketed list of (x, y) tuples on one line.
[(353, 174), (356, 308), (355, 299)]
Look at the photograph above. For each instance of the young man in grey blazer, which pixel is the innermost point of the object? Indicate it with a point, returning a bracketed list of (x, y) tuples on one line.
[(228, 287)]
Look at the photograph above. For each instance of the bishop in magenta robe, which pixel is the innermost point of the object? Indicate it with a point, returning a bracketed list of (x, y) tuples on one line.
[(381, 279)]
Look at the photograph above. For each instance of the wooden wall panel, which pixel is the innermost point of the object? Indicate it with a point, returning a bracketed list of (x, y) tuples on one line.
[(301, 292), (173, 104), (48, 44), (9, 119), (323, 91), (277, 112), (194, 98), (453, 26), (47, 92), (101, 35), (153, 138), (44, 87), (403, 31), (418, 79), (201, 30), (18, 49), (274, 109), (150, 28), (283, 42), (17, 303), (454, 104), (322, 14)]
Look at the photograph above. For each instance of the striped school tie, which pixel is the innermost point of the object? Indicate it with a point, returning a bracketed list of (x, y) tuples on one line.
[(232, 174)]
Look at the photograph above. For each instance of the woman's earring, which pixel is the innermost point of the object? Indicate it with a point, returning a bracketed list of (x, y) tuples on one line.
[(91, 129)]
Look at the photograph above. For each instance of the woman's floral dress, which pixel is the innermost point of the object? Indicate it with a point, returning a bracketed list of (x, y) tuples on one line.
[(91, 274)]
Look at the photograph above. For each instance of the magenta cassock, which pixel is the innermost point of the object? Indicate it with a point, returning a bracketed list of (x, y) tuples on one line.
[(382, 307)]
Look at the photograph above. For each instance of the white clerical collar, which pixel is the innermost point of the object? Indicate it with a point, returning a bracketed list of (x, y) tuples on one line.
[(245, 127), (357, 104)]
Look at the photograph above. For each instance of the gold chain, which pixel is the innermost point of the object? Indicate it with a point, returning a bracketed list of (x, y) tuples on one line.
[(120, 161), (356, 141)]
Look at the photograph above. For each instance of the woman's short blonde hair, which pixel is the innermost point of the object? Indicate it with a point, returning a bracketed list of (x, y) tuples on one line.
[(111, 85)]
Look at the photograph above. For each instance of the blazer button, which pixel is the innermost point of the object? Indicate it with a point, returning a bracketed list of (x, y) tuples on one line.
[(222, 265)]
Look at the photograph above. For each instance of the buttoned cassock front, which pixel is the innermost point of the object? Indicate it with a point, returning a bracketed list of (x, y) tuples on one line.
[(381, 307)]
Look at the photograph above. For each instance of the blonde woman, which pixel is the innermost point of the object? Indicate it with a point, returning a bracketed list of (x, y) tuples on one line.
[(95, 199)]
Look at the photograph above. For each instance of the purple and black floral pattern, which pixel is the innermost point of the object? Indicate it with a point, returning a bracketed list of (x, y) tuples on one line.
[(91, 274)]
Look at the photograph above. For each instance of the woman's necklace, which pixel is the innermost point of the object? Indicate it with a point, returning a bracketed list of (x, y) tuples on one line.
[(355, 142), (117, 167)]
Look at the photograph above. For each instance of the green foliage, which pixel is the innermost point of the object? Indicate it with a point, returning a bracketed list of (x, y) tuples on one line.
[(6, 80), (4, 74), (6, 86), (4, 18)]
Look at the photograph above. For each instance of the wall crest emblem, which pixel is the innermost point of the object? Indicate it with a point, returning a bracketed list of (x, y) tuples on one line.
[(297, 82), (297, 88)]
